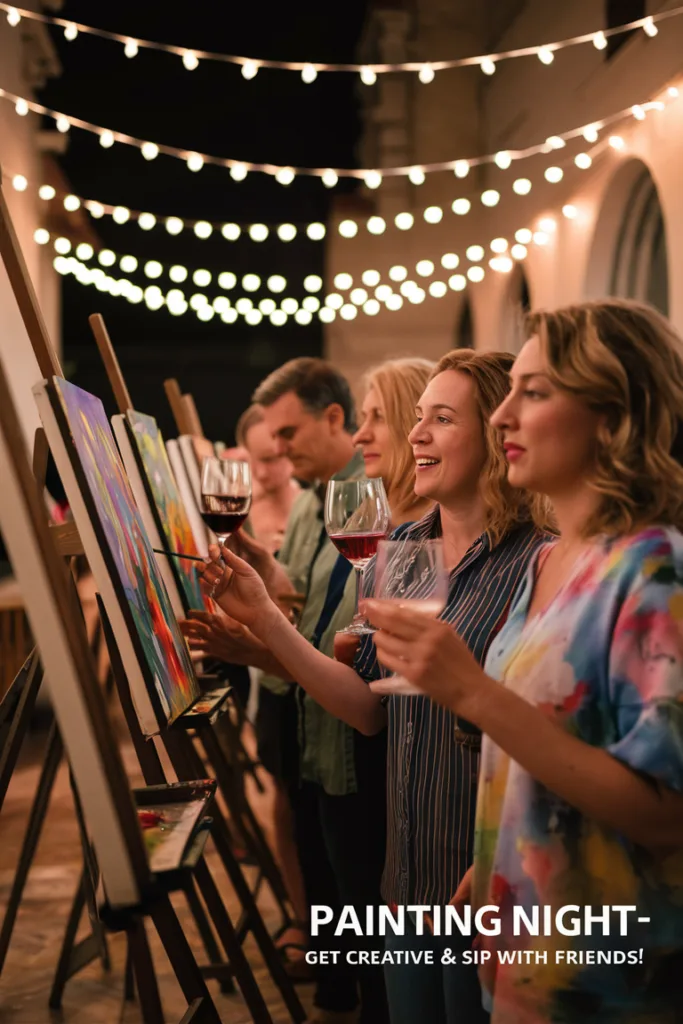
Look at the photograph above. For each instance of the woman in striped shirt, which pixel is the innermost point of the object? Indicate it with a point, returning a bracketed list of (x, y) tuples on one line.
[(489, 538)]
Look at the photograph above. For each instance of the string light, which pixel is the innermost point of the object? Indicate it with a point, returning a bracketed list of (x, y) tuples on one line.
[(426, 74), (600, 40), (583, 161), (308, 74), (416, 175), (488, 66), (195, 162), (502, 160), (368, 76), (190, 60), (106, 139), (649, 27), (461, 168), (249, 70), (553, 174), (522, 186), (131, 48)]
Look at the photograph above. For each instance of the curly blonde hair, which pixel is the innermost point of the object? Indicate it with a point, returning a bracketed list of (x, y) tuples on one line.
[(624, 360), (507, 506)]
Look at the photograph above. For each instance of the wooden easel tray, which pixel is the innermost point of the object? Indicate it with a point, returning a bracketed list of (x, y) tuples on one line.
[(170, 818)]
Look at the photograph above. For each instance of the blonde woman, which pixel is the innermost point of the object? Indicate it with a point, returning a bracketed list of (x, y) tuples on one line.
[(581, 696)]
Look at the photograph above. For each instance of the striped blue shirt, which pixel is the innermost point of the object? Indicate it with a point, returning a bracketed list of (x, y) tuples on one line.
[(433, 757)]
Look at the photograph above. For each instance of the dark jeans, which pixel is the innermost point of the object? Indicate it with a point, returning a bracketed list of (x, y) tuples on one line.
[(342, 846), (433, 993)]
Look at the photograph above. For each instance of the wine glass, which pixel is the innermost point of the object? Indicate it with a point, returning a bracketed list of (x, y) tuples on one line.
[(226, 495), (413, 574), (357, 519)]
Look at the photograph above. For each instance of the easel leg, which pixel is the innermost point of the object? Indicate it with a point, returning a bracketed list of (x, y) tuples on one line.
[(33, 830), (217, 968), (142, 967), (182, 960), (233, 950)]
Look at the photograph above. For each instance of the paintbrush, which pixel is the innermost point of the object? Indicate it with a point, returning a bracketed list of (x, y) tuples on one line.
[(178, 554)]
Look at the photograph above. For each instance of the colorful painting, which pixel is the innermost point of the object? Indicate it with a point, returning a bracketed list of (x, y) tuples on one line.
[(167, 505), (162, 652)]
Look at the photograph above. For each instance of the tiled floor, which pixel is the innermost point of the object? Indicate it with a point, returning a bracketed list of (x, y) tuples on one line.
[(93, 996)]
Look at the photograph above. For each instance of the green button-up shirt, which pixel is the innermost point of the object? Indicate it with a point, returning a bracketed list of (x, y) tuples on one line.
[(326, 743)]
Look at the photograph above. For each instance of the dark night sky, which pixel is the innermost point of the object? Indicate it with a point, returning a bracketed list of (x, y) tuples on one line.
[(275, 118)]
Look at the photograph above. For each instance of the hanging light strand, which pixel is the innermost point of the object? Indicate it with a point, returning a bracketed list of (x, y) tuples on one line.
[(308, 70)]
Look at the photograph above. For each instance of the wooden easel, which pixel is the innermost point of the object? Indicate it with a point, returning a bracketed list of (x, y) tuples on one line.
[(175, 400)]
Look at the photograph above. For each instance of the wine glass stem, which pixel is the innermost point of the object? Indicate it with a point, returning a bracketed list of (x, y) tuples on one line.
[(359, 570)]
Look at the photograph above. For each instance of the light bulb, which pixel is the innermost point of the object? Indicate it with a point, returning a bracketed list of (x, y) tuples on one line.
[(371, 307), (367, 76), (195, 162), (289, 306), (13, 17), (461, 168), (476, 274), (490, 197), (150, 150), (286, 232), (313, 283), (450, 260), (278, 318), (153, 269), (488, 66), (373, 179), (303, 317), (84, 251), (343, 282), (106, 258), (249, 70), (522, 186), (61, 265), (502, 159), (638, 112), (425, 268), (71, 203), (231, 232), (285, 176), (21, 107), (426, 74), (583, 161), (174, 225), (518, 251), (128, 264), (238, 172), (46, 192), (190, 60), (376, 225), (308, 74), (348, 229), (334, 300), (383, 291), (553, 174), (316, 231), (62, 124), (555, 142), (203, 229), (131, 48), (501, 264), (62, 246), (672, 92), (541, 238), (461, 207), (599, 40), (202, 278), (394, 302), (416, 175), (147, 221), (267, 306), (370, 278), (649, 27), (616, 142), (407, 288), (591, 133), (404, 221), (107, 139), (348, 312), (243, 305), (524, 235), (569, 211), (41, 236), (229, 316), (70, 32), (398, 273), (276, 283), (547, 224), (177, 308), (358, 296), (330, 178), (326, 315), (417, 295), (206, 313), (121, 214), (438, 289), (545, 55), (258, 232), (251, 282), (95, 209), (499, 245), (311, 303), (19, 183), (227, 280), (254, 317), (475, 253), (135, 294), (433, 214)]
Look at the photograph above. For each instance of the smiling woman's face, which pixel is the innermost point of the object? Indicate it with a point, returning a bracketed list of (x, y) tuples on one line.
[(374, 438), (448, 440)]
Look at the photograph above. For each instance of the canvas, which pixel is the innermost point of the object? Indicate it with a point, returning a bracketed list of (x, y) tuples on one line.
[(172, 519), (119, 552), (199, 531)]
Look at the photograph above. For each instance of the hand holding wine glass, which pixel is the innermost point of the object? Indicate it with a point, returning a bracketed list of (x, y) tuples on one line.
[(356, 519), (226, 495)]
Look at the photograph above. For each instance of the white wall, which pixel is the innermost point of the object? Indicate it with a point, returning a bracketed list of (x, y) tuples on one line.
[(522, 104)]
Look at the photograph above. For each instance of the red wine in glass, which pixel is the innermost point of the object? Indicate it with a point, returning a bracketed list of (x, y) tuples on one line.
[(225, 495), (224, 515), (357, 548)]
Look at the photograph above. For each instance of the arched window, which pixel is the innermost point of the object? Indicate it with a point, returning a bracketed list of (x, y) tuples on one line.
[(640, 269), (517, 305), (464, 336)]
